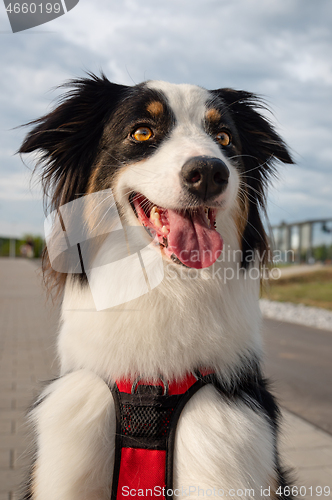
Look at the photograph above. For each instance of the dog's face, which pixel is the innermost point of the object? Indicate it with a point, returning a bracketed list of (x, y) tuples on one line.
[(177, 157)]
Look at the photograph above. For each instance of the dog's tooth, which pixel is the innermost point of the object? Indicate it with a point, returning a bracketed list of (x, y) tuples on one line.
[(155, 212), (155, 216), (156, 222), (164, 231)]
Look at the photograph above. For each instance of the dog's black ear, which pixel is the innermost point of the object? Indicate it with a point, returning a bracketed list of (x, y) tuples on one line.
[(69, 137), (261, 147), (257, 135)]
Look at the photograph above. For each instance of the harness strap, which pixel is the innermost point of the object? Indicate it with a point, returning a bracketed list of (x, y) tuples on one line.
[(146, 419)]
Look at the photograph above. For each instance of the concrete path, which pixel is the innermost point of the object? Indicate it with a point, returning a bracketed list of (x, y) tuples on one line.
[(298, 361), (27, 337), (307, 450), (296, 270)]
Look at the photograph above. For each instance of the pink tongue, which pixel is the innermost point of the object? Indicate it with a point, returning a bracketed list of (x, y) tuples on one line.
[(191, 239)]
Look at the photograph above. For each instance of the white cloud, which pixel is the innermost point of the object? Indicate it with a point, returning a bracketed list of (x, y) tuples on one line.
[(18, 229), (19, 186), (300, 194), (279, 49)]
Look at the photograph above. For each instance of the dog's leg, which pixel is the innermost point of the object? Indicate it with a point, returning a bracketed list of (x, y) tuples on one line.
[(75, 424), (225, 447)]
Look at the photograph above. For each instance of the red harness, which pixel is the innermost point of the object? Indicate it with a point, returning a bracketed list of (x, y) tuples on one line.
[(146, 419)]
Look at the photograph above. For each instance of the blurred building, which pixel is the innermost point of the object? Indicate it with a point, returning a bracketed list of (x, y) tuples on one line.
[(307, 241)]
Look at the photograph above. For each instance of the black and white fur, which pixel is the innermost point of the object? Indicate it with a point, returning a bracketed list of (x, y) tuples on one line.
[(86, 145)]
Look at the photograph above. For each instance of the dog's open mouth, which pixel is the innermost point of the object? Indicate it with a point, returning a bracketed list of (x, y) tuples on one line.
[(187, 236)]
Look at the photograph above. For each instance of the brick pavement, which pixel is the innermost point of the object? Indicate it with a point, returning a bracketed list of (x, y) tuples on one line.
[(27, 337), (27, 358), (308, 451)]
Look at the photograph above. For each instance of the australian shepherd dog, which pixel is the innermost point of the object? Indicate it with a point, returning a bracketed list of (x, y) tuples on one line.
[(156, 194)]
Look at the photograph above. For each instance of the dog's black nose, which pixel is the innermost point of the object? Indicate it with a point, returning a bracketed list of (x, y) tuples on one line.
[(205, 177)]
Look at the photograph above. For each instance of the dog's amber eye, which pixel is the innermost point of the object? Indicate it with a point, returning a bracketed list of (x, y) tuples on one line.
[(142, 134), (223, 138)]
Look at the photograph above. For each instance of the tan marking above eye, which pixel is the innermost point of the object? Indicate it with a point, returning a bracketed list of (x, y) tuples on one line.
[(213, 115), (142, 134), (223, 138), (155, 108)]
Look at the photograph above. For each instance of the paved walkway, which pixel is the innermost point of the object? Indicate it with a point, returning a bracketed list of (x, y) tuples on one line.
[(295, 269), (27, 337)]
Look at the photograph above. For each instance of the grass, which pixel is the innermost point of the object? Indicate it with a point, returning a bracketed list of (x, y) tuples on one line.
[(312, 289)]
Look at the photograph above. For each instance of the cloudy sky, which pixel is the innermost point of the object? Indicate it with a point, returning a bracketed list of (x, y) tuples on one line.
[(279, 49)]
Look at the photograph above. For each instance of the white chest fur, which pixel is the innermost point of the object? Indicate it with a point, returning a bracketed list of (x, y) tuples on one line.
[(218, 446)]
